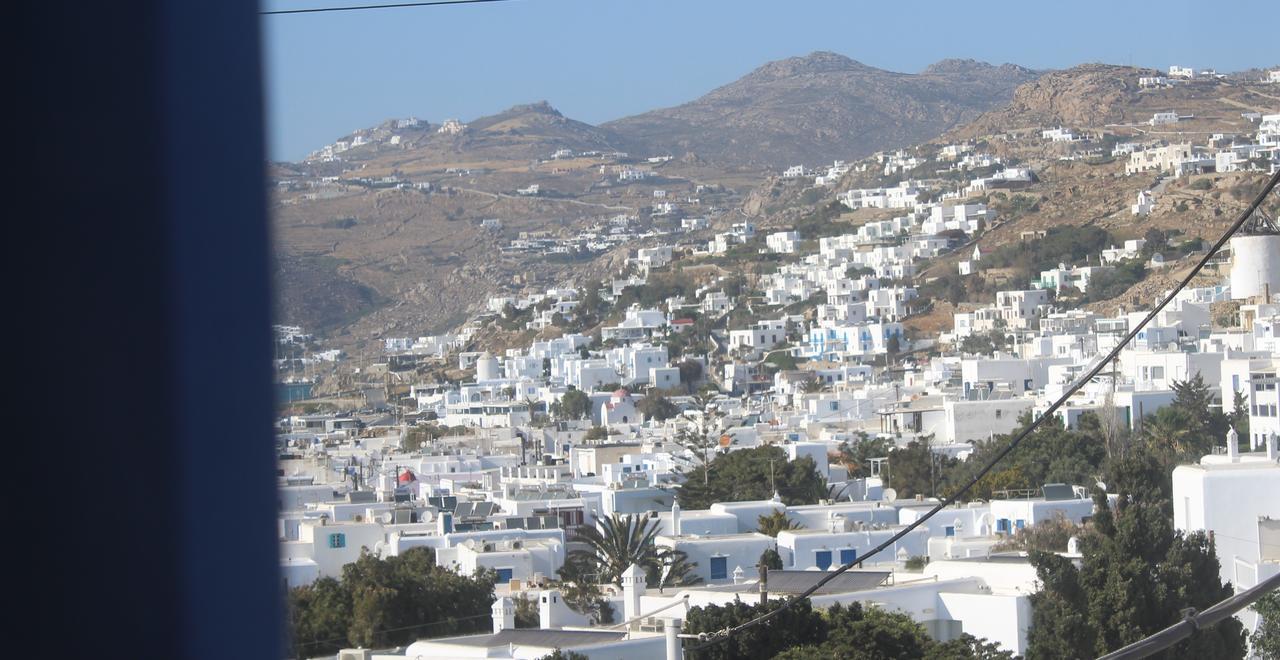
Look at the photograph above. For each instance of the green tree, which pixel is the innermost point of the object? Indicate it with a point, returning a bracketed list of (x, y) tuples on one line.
[(658, 407), (858, 632), (856, 455), (1240, 415), (579, 588), (690, 373), (1266, 638), (527, 614), (564, 655), (1050, 454), (869, 633), (770, 559), (891, 346), (1194, 397), (1137, 574), (389, 602), (1172, 435), (917, 470), (776, 522), (967, 647), (795, 626), (575, 404), (747, 475), (319, 617)]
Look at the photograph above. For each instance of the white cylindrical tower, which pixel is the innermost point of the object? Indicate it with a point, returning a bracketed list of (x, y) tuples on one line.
[(487, 367), (1255, 265)]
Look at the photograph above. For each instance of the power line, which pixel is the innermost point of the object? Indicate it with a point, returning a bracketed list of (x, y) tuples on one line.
[(725, 633), (398, 5), (1193, 621)]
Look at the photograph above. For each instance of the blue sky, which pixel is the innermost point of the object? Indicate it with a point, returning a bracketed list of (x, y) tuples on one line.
[(595, 60)]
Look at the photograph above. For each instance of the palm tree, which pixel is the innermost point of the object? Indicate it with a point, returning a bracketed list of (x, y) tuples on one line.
[(776, 522), (676, 570), (814, 386), (617, 542), (1169, 433)]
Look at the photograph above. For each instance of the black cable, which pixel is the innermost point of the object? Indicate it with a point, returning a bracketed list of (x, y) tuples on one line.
[(1193, 621), (723, 634), (398, 5)]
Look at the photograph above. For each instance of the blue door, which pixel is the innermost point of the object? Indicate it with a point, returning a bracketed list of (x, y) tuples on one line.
[(719, 568), (823, 559), (848, 555)]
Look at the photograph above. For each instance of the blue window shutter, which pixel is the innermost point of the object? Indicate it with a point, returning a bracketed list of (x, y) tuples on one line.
[(719, 568), (1021, 523), (337, 540), (847, 555), (950, 530), (823, 559), (504, 575)]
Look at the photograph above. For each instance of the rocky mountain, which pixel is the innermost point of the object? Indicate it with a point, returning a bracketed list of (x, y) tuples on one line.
[(1085, 95), (818, 108)]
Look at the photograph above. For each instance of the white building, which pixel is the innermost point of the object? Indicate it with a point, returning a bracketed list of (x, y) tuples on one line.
[(1236, 498), (783, 242), (1146, 201), (451, 127)]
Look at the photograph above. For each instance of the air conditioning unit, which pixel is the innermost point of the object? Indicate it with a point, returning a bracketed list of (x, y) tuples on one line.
[(355, 654)]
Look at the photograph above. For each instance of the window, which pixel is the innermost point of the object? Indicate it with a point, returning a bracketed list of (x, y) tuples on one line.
[(504, 575), (1020, 523), (999, 412), (848, 555), (823, 559), (1002, 525), (337, 540), (949, 530), (719, 568)]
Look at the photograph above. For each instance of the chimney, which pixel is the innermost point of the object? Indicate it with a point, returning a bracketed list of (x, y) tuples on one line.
[(1271, 447), (504, 615), (739, 576), (1233, 444), (633, 588), (444, 523), (675, 518), (549, 607)]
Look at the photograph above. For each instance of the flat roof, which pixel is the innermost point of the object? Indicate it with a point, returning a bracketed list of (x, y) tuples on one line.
[(794, 582)]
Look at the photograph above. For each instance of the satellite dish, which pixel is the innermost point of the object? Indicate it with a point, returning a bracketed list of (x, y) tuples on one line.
[(890, 495)]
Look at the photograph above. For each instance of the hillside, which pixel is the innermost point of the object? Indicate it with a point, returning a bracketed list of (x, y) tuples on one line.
[(819, 108), (1101, 95), (390, 237)]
